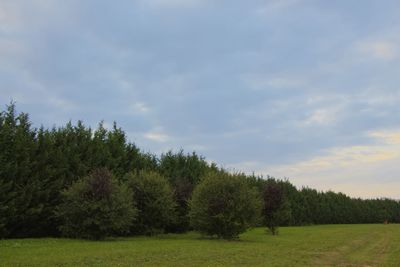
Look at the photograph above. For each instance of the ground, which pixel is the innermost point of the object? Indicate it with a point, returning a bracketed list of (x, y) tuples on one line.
[(325, 245)]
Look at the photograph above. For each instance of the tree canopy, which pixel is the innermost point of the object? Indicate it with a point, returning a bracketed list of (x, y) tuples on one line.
[(38, 166)]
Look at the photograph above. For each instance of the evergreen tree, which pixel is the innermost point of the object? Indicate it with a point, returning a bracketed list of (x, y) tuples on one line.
[(17, 146), (36, 165), (184, 172)]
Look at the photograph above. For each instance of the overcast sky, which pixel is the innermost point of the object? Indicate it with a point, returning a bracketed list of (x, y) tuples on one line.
[(308, 90)]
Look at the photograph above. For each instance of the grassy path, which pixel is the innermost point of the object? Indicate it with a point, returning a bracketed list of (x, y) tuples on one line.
[(328, 245)]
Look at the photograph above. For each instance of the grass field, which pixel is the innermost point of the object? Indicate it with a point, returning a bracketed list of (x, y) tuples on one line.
[(327, 245)]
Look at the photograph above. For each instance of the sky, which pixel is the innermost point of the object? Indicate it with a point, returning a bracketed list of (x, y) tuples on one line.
[(299, 89)]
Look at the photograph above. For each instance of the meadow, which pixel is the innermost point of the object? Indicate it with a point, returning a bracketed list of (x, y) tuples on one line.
[(323, 245)]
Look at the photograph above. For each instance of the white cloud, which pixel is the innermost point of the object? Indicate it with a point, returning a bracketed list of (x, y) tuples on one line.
[(11, 51), (383, 50), (10, 17), (387, 137), (370, 190), (157, 136), (107, 125), (273, 6), (323, 116), (38, 93), (354, 170), (140, 107), (172, 3), (196, 147), (244, 166), (20, 15), (366, 171), (265, 82), (62, 103)]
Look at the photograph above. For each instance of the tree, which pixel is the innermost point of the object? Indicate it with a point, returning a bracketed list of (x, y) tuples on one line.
[(96, 206), (20, 201), (184, 172), (6, 206), (223, 205), (276, 208), (36, 165), (153, 197)]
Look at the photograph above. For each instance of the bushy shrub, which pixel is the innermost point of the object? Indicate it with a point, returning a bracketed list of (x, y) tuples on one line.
[(276, 209), (153, 197), (96, 206), (223, 205), (183, 171)]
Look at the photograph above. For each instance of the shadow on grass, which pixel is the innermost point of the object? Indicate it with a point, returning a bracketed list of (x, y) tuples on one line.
[(189, 236)]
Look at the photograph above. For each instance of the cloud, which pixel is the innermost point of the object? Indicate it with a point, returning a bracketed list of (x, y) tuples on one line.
[(358, 167), (8, 17), (322, 117), (61, 103), (172, 3), (300, 81), (258, 81), (383, 50), (196, 147), (273, 6), (389, 137), (243, 166), (39, 93), (369, 190), (19, 15), (157, 136), (140, 107), (10, 49)]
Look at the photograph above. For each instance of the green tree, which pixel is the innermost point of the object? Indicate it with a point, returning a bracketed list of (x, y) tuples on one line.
[(184, 172), (276, 209), (96, 206), (6, 206), (223, 205), (20, 204), (153, 197), (36, 165)]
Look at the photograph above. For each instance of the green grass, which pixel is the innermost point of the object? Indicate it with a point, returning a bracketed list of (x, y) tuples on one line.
[(327, 245)]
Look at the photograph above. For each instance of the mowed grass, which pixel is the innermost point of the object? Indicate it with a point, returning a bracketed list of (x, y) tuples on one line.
[(325, 245)]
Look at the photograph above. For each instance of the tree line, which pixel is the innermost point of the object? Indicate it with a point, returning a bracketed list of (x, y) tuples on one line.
[(89, 183)]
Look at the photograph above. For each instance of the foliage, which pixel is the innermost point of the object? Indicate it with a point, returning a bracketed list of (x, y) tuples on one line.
[(96, 207), (20, 205), (153, 197), (276, 209), (36, 165), (223, 205), (183, 172)]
